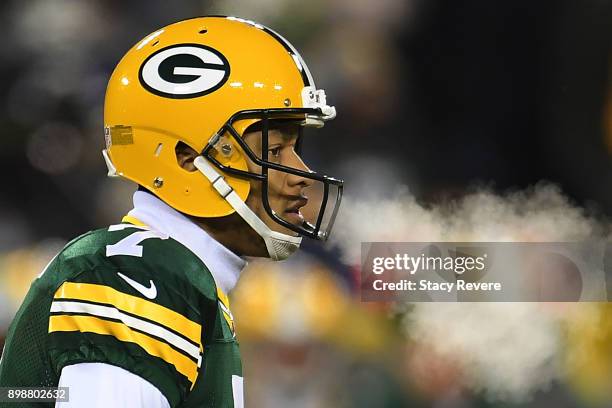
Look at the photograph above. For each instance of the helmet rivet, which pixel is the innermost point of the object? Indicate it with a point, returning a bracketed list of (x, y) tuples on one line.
[(158, 182), (287, 102), (226, 149)]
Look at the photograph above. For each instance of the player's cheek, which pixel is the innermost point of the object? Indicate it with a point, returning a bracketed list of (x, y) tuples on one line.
[(276, 182)]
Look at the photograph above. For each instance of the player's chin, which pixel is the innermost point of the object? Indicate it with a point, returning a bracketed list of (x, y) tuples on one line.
[(284, 230)]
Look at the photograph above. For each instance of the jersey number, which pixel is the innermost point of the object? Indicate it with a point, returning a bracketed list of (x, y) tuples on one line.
[(130, 245)]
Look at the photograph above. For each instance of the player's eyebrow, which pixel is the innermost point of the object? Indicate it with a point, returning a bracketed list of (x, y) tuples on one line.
[(285, 131)]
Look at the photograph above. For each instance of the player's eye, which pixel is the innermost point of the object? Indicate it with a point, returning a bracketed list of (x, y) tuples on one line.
[(274, 152)]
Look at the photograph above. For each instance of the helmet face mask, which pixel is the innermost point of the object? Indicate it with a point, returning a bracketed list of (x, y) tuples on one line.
[(203, 82), (321, 220)]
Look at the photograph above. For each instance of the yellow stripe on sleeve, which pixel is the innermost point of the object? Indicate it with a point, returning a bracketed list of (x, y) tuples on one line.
[(90, 324), (223, 297), (131, 304), (227, 315)]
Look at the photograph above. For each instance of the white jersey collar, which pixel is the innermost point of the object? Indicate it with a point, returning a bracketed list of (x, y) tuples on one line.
[(224, 265)]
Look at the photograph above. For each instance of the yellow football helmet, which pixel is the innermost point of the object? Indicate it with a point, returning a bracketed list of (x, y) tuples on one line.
[(202, 82)]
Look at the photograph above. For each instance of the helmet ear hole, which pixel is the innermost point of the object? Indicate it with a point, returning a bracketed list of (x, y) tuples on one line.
[(185, 156)]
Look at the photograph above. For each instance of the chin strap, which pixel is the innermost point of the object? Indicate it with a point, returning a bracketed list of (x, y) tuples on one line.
[(280, 246)]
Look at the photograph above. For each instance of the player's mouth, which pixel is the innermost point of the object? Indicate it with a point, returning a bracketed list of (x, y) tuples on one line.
[(293, 214)]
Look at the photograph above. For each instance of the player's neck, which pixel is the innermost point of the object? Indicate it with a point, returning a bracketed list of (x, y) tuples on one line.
[(236, 235)]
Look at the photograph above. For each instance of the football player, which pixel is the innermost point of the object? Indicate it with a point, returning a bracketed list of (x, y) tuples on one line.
[(206, 115)]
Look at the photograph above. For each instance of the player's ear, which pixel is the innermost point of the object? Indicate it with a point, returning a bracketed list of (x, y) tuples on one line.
[(185, 156)]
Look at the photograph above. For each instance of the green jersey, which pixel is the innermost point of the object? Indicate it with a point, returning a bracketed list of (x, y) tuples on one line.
[(133, 298)]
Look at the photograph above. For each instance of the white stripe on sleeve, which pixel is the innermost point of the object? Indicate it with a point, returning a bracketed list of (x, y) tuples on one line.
[(130, 321)]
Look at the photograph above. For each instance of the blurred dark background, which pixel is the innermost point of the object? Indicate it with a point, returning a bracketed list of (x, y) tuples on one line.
[(434, 95), (438, 94)]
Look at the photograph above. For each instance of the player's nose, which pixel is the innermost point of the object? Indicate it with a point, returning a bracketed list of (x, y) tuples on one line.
[(298, 180)]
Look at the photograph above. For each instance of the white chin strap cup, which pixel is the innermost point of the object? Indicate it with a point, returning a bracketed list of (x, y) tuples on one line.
[(280, 246)]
